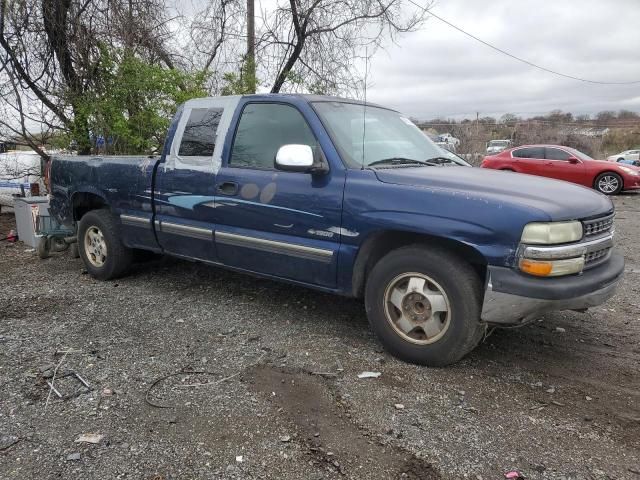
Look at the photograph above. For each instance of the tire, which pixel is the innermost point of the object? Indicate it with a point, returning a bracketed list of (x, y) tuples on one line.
[(609, 183), (58, 244), (43, 247), (99, 245), (451, 310)]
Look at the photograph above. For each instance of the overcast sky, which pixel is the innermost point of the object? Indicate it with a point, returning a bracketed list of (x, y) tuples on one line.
[(439, 71)]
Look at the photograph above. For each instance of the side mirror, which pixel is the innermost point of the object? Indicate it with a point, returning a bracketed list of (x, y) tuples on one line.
[(573, 160), (298, 158)]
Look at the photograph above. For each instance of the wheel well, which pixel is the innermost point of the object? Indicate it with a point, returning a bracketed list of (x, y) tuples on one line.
[(85, 202), (507, 169), (608, 171), (378, 245)]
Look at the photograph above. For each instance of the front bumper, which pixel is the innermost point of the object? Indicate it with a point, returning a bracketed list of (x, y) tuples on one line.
[(630, 182), (512, 297)]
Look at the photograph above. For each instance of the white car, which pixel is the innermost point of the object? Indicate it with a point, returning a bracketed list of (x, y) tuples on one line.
[(496, 146), (18, 169), (626, 155)]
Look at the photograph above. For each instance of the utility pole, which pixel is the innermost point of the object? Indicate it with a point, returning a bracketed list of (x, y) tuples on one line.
[(251, 47)]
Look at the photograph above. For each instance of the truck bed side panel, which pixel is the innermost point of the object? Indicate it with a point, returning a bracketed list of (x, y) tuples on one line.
[(123, 183)]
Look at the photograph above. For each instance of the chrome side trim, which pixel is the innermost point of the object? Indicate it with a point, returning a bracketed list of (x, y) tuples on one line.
[(135, 221), (567, 251), (272, 246), (186, 230), (507, 309)]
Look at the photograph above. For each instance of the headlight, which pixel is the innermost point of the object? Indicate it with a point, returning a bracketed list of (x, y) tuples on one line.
[(552, 233)]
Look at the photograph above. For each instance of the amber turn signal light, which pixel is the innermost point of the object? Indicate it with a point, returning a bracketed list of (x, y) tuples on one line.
[(533, 267)]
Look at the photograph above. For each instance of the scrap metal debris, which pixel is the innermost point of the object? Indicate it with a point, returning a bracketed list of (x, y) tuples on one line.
[(192, 372), (89, 438), (369, 375), (71, 374)]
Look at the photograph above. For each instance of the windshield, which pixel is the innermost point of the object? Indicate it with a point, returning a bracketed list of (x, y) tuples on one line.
[(578, 154), (364, 136), (454, 157)]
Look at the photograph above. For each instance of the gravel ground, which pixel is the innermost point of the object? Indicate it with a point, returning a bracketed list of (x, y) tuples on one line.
[(277, 393)]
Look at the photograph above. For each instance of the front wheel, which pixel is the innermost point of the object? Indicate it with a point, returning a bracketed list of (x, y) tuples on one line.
[(609, 183), (99, 245), (424, 305)]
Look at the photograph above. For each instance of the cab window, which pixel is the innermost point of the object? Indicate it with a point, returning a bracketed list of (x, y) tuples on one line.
[(265, 127)]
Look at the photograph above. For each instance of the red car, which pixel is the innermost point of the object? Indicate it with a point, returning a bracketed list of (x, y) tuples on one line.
[(568, 164)]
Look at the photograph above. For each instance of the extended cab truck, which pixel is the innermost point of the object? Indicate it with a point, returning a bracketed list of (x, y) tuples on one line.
[(351, 199)]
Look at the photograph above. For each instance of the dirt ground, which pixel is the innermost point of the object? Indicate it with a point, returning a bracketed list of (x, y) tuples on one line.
[(277, 393)]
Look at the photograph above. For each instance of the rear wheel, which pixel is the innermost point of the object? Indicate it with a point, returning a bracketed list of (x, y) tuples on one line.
[(43, 247), (424, 305), (99, 245), (609, 183)]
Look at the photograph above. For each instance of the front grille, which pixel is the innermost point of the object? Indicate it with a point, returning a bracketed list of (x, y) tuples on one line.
[(592, 259), (598, 226)]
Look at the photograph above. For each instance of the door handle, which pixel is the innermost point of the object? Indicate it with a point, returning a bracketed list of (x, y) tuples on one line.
[(227, 188)]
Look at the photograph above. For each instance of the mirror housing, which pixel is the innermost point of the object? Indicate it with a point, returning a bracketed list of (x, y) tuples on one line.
[(573, 160), (299, 158)]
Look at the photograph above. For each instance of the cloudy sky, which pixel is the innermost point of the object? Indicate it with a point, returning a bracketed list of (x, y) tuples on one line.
[(439, 71)]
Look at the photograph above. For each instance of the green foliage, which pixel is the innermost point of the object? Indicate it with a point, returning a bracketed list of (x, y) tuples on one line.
[(130, 103), (242, 83)]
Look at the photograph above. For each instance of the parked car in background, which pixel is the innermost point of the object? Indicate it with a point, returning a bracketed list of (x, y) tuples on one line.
[(497, 146), (448, 138), (18, 170), (447, 146), (565, 163), (627, 155)]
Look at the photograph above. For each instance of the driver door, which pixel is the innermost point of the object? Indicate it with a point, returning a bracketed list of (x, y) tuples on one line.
[(284, 224), (558, 166)]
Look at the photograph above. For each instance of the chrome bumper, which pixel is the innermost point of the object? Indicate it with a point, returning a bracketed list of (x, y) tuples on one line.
[(508, 309), (513, 298)]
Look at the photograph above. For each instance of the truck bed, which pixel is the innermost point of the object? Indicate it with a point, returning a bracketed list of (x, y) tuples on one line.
[(123, 182)]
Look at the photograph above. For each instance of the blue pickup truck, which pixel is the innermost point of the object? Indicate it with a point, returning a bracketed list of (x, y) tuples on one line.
[(353, 199)]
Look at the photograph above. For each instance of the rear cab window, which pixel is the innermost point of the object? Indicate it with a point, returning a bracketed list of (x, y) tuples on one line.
[(199, 135)]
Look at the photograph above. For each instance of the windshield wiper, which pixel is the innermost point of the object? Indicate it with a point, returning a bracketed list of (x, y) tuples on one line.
[(401, 161), (441, 160)]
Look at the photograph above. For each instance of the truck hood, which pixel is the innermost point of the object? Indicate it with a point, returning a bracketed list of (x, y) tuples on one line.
[(557, 199)]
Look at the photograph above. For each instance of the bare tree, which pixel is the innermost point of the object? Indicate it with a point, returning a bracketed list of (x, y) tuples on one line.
[(218, 38), (50, 51), (308, 45), (317, 44)]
